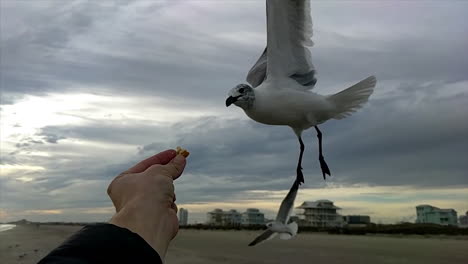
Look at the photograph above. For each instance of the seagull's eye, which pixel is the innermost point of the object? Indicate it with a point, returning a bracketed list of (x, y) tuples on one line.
[(241, 90)]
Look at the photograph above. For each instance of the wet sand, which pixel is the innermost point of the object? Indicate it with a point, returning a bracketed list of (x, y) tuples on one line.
[(196, 246)]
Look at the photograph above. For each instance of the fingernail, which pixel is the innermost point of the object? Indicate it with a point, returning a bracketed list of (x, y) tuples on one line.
[(179, 159)]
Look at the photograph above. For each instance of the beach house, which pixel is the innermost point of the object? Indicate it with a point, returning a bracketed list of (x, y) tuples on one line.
[(320, 213)]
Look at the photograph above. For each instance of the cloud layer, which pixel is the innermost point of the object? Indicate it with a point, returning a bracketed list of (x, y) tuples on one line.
[(90, 88)]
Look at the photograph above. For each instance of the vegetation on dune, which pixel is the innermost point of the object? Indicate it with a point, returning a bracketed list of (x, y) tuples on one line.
[(403, 228)]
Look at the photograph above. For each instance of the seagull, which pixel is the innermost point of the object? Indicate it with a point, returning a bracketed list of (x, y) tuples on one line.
[(282, 79), (280, 225)]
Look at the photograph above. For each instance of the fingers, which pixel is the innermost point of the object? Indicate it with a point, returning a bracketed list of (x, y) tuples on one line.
[(174, 207), (173, 169), (176, 166), (160, 158)]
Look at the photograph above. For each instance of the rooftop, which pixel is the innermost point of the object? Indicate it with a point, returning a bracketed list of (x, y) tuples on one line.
[(426, 205), (435, 208), (218, 211), (325, 204)]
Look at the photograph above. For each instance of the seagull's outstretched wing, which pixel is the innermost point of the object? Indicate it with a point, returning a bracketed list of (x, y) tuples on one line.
[(289, 32), (258, 72), (287, 204), (263, 237)]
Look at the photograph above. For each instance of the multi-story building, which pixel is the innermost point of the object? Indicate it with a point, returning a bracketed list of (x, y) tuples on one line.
[(430, 214), (356, 220), (220, 217), (463, 220), (232, 217), (215, 217), (321, 213), (183, 217), (253, 216)]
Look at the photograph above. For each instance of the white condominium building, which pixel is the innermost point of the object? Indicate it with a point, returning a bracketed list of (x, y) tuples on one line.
[(321, 213)]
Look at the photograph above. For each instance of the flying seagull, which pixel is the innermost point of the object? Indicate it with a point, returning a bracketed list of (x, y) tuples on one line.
[(280, 225), (283, 77)]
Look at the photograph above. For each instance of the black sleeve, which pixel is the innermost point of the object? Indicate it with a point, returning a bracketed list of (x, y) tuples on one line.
[(103, 243)]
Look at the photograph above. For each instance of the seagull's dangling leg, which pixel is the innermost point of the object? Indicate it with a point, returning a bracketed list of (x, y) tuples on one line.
[(300, 176), (323, 164)]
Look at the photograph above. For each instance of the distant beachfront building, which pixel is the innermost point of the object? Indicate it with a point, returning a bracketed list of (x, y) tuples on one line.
[(183, 217), (356, 220), (321, 213), (433, 215), (232, 217), (253, 216), (223, 218), (215, 217), (463, 220)]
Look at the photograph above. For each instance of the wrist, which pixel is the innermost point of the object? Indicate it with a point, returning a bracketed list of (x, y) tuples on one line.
[(148, 226)]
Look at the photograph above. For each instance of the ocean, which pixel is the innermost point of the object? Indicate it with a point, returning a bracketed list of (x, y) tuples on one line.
[(4, 227)]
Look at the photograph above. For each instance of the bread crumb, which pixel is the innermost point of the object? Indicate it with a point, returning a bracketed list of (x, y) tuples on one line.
[(182, 151)]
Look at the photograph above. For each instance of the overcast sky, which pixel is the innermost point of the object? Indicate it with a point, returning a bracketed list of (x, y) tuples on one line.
[(89, 88)]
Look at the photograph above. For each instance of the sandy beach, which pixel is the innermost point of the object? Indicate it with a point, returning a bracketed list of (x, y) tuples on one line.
[(29, 243)]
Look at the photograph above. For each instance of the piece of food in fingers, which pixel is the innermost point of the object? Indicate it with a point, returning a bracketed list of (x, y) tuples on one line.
[(182, 152)]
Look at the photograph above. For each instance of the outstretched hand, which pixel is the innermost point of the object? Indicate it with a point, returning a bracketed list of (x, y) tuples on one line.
[(144, 199)]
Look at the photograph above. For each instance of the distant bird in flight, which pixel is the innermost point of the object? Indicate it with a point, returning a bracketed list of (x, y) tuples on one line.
[(284, 75), (280, 225)]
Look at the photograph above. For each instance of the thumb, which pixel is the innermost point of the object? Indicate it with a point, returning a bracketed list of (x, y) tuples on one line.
[(175, 167)]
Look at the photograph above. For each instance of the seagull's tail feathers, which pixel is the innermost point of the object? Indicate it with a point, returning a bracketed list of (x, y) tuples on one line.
[(352, 98), (293, 228)]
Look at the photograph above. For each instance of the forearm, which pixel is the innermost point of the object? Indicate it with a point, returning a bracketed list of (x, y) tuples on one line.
[(103, 243)]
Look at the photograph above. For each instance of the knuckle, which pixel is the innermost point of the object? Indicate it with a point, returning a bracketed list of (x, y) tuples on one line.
[(174, 168), (109, 189), (165, 170), (171, 187), (168, 170), (162, 183), (113, 183), (154, 167)]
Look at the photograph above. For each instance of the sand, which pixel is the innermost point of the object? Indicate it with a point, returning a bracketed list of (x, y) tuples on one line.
[(193, 246), (34, 241)]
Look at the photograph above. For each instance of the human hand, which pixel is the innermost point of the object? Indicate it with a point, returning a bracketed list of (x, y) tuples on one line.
[(144, 198)]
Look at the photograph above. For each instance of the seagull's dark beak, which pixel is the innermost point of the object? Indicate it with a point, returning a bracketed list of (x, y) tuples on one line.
[(230, 100)]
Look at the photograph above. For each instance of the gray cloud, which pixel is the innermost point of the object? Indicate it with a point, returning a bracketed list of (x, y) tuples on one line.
[(411, 132), (92, 47), (51, 138), (384, 144), (28, 142)]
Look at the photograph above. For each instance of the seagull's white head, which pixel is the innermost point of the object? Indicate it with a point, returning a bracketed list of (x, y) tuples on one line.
[(242, 95)]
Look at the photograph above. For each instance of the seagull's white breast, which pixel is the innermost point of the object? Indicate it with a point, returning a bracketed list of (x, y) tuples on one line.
[(279, 227), (290, 107)]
